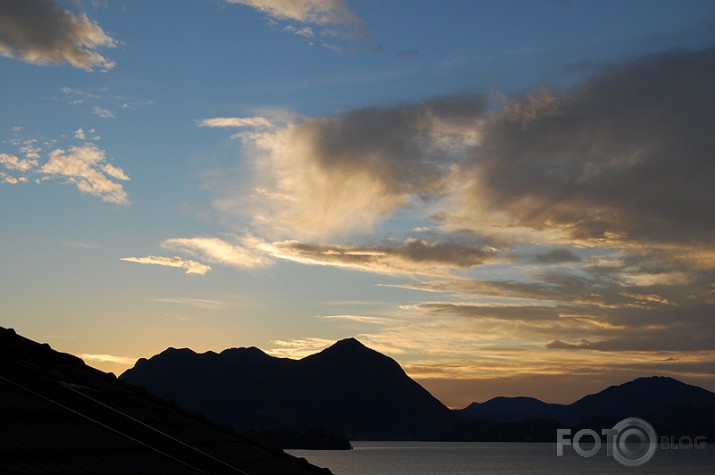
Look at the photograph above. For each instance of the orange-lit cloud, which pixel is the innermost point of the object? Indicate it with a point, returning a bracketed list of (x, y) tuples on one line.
[(218, 251), (102, 358), (191, 267), (298, 348)]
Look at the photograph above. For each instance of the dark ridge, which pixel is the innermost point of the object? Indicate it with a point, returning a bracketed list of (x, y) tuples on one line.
[(353, 390), (347, 388), (62, 416)]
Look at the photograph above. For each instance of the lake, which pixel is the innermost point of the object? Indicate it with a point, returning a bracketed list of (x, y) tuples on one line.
[(488, 458)]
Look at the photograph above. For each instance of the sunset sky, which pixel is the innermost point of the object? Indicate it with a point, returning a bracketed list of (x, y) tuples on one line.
[(507, 197)]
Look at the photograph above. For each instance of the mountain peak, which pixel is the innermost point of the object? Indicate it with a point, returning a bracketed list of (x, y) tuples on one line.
[(348, 343), (348, 388), (351, 349)]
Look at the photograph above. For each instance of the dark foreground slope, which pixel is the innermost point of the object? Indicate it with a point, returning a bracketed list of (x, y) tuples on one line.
[(60, 416), (347, 388)]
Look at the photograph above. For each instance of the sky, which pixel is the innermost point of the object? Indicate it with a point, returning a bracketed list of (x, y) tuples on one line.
[(507, 197)]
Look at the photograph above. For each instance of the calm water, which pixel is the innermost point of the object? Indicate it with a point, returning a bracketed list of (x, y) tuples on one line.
[(487, 458)]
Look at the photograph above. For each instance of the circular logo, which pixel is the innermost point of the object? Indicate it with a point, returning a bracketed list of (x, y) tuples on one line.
[(634, 442)]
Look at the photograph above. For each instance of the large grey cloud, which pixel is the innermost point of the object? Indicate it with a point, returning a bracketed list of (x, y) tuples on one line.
[(41, 32), (621, 159), (627, 154), (406, 148)]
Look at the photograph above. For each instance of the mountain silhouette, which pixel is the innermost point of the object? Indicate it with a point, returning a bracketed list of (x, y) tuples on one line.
[(347, 388), (637, 398), (355, 391), (512, 409)]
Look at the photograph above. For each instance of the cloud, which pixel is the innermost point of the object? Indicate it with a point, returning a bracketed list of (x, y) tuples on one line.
[(620, 161), (102, 112), (560, 345), (358, 319), (564, 229), (325, 13), (102, 102), (556, 256), (306, 31), (218, 251), (236, 122), (338, 175), (411, 256), (298, 348), (624, 157), (191, 267), (41, 32), (86, 168), (82, 245), (199, 303), (11, 180), (102, 358), (12, 162)]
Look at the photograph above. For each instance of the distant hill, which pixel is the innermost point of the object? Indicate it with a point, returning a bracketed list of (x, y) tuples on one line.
[(512, 409), (357, 392), (653, 398), (347, 388)]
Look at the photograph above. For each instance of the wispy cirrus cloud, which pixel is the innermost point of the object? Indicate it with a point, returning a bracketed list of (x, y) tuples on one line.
[(191, 267), (239, 253), (102, 112), (42, 32), (219, 251), (101, 101), (237, 122), (192, 302), (358, 318), (409, 257)]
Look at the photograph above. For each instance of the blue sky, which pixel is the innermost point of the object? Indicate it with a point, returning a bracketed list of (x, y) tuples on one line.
[(509, 198)]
